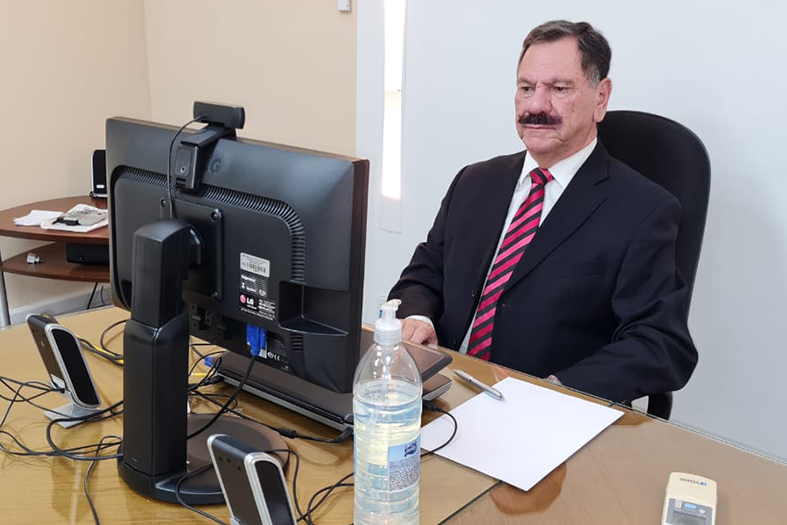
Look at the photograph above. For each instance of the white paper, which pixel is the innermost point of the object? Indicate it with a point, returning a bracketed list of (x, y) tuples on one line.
[(36, 217), (521, 439), (50, 224)]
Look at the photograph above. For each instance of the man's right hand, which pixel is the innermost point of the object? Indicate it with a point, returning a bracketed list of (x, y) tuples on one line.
[(419, 332)]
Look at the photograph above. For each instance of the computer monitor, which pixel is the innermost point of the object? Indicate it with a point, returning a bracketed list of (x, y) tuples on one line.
[(274, 238)]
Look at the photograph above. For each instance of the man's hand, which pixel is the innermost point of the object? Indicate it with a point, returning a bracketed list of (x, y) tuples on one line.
[(418, 332)]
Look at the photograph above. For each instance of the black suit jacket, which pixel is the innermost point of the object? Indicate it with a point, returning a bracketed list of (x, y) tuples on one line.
[(596, 299)]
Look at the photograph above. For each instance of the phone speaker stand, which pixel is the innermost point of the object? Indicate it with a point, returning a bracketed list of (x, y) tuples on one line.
[(70, 410)]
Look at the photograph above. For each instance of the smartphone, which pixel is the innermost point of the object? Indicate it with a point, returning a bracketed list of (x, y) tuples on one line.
[(252, 482), (690, 500), (63, 359)]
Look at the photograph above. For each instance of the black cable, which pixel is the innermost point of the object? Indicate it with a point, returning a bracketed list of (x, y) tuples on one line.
[(435, 408), (112, 357), (39, 385), (90, 417), (200, 354), (228, 403), (87, 480), (101, 343), (102, 350), (169, 164), (45, 389), (307, 518), (186, 476), (90, 299), (33, 384), (18, 398), (212, 371), (28, 452)]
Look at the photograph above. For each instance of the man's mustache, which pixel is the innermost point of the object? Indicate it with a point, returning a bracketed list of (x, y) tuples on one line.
[(539, 119)]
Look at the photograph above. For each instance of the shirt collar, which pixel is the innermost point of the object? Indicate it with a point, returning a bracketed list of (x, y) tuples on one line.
[(564, 170)]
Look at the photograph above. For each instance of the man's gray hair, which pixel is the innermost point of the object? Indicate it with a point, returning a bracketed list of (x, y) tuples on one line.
[(594, 49)]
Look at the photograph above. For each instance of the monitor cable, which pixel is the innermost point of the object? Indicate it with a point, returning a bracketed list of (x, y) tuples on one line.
[(226, 405), (101, 350), (86, 483)]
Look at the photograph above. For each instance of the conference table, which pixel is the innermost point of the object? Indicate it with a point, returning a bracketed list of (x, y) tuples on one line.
[(617, 478)]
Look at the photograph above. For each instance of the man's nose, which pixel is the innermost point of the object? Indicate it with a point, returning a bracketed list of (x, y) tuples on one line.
[(539, 101)]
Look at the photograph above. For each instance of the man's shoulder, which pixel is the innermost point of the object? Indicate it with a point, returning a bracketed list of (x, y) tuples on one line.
[(497, 164)]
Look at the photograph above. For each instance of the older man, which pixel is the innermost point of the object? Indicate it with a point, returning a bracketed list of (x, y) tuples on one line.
[(560, 260)]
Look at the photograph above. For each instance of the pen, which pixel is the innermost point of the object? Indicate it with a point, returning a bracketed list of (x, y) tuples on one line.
[(478, 384)]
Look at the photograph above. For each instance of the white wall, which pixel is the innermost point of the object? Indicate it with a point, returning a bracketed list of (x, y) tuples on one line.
[(715, 67)]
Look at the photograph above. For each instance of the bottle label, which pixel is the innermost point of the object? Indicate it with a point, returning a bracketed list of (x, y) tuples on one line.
[(404, 465)]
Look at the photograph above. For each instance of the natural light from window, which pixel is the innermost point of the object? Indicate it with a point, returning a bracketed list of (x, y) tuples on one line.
[(394, 22)]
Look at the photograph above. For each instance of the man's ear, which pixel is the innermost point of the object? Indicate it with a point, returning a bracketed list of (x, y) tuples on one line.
[(604, 90)]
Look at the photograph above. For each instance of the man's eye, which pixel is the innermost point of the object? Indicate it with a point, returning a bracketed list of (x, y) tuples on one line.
[(526, 89), (560, 89)]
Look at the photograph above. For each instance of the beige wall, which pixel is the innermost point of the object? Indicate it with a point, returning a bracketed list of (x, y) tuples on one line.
[(65, 66), (290, 63)]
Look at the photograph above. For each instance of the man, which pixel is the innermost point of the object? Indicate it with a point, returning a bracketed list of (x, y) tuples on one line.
[(558, 261)]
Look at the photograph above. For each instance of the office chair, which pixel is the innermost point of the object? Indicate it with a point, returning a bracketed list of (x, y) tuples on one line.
[(671, 155)]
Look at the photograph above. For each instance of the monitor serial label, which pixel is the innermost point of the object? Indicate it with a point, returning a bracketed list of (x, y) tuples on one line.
[(253, 297), (255, 265)]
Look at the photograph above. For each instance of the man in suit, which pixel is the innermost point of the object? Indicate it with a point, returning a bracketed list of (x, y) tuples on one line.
[(558, 261)]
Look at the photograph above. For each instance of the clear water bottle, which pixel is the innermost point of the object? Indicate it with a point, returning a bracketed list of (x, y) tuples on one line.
[(387, 427)]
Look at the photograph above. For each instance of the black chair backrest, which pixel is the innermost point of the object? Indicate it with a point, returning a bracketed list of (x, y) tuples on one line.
[(671, 155), (674, 157)]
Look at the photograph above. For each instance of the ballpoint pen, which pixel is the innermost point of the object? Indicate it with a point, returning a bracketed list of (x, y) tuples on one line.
[(478, 384)]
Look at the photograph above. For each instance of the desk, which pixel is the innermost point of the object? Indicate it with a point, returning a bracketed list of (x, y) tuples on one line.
[(55, 265), (619, 478)]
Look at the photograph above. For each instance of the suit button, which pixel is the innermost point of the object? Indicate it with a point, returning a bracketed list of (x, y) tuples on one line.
[(502, 305), (472, 294)]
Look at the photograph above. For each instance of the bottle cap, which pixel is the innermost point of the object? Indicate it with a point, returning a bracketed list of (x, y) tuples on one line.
[(387, 328)]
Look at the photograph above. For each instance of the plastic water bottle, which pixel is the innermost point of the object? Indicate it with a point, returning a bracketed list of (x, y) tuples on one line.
[(387, 428)]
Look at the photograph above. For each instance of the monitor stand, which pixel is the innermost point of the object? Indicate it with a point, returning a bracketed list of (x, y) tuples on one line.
[(204, 488), (156, 453)]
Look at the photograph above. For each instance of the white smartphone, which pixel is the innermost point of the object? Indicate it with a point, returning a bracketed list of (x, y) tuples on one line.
[(253, 483), (690, 500)]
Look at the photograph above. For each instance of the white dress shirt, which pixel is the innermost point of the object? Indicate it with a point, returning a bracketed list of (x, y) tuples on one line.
[(562, 172)]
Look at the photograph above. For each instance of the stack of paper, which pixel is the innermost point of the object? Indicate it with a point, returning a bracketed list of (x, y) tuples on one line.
[(521, 439), (36, 217)]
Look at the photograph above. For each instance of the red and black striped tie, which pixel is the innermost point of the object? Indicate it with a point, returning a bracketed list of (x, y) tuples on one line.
[(518, 236)]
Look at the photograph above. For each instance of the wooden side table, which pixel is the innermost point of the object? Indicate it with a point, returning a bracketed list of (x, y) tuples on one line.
[(54, 265)]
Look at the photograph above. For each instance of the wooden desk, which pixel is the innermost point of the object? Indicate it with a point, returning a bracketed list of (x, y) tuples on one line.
[(55, 265), (619, 478)]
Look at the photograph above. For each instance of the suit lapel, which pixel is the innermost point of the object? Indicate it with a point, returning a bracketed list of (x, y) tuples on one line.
[(579, 200)]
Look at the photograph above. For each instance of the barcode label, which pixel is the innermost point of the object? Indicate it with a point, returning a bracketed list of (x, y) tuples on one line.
[(256, 265)]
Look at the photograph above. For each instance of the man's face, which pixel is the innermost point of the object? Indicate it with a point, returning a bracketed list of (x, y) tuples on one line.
[(556, 106)]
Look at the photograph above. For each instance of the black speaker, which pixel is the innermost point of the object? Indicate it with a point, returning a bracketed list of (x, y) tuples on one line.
[(87, 254), (65, 364), (99, 174)]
